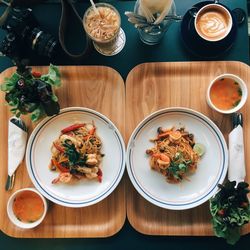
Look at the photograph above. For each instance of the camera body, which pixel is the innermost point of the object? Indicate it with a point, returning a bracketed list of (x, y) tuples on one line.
[(24, 35)]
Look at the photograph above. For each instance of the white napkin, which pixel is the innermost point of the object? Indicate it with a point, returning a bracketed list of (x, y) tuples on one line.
[(17, 139), (236, 169)]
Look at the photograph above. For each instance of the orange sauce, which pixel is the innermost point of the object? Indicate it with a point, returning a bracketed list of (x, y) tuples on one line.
[(28, 206), (225, 94)]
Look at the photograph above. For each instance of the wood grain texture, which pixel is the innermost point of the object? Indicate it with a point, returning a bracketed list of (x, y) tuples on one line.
[(153, 86), (98, 88)]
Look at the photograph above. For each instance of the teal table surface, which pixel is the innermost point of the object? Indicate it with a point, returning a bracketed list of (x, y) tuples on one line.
[(134, 53)]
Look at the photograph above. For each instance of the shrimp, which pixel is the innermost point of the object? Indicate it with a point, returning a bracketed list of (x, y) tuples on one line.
[(63, 178), (162, 160)]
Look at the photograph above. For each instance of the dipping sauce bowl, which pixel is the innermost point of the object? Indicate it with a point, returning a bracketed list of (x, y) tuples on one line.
[(27, 208), (227, 93)]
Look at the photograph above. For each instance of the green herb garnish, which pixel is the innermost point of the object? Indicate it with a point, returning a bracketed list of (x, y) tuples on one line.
[(73, 155), (177, 169), (236, 103), (240, 91)]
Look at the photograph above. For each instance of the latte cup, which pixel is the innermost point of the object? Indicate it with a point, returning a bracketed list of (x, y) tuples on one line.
[(213, 22)]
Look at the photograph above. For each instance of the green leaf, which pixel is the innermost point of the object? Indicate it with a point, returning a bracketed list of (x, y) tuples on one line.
[(54, 98), (53, 77), (72, 153), (234, 203), (14, 102), (18, 114), (13, 110), (232, 235), (30, 103), (10, 83), (37, 114)]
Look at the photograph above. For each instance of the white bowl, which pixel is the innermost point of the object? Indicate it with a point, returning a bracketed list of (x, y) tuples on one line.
[(243, 98), (12, 216)]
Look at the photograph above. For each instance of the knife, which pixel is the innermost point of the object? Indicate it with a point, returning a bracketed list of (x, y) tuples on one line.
[(17, 138)]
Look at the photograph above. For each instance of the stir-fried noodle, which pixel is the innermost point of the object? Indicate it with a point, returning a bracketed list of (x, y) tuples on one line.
[(76, 154), (173, 154)]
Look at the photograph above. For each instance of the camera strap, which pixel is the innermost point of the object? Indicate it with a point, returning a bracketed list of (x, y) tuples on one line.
[(6, 12), (69, 12)]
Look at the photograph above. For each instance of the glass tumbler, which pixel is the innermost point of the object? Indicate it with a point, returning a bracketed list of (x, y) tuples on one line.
[(103, 27), (152, 35)]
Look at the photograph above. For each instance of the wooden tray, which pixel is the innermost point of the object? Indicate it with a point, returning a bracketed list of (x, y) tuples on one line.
[(153, 86), (99, 88)]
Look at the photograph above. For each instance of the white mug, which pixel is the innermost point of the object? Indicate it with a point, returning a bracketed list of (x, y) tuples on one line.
[(213, 22)]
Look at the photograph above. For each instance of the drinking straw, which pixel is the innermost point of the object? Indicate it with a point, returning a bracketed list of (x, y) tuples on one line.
[(94, 7)]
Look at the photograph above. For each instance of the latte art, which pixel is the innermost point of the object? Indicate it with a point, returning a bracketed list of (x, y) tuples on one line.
[(213, 24)]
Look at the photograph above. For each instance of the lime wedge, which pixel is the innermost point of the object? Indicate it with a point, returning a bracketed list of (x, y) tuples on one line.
[(199, 149)]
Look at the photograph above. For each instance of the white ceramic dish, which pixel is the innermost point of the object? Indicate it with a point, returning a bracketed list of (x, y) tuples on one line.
[(12, 216), (243, 89), (211, 170), (85, 192)]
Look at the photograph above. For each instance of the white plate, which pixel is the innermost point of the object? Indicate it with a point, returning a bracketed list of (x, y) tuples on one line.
[(211, 170), (84, 192)]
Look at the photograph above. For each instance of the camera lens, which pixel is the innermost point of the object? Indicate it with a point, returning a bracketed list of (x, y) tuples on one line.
[(43, 43), (24, 26)]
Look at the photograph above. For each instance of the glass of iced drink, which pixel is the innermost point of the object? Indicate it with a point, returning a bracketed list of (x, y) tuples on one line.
[(158, 10), (102, 25)]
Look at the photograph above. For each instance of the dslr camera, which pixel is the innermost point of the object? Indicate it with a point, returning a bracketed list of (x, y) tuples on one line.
[(24, 35)]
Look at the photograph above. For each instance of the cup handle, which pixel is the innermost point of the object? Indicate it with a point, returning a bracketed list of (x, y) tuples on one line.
[(193, 11), (240, 15)]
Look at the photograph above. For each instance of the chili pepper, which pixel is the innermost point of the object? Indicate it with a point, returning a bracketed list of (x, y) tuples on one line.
[(72, 128), (99, 175), (59, 166), (58, 147), (36, 74)]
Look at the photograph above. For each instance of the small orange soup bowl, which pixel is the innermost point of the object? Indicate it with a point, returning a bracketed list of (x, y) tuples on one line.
[(227, 93), (27, 208)]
